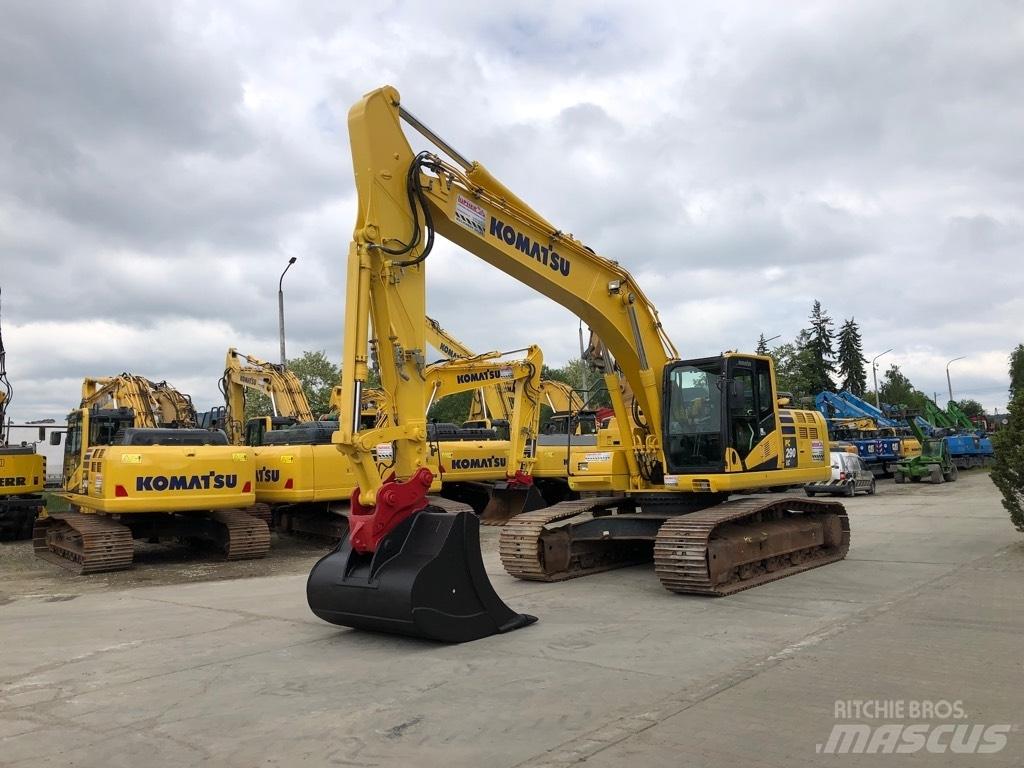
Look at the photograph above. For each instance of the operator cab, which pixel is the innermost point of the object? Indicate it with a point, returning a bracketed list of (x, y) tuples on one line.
[(718, 411), (91, 427)]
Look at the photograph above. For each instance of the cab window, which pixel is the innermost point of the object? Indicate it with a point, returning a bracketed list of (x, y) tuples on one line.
[(694, 415)]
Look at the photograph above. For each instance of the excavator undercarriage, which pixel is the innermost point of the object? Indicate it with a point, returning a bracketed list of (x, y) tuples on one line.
[(723, 548), (95, 543)]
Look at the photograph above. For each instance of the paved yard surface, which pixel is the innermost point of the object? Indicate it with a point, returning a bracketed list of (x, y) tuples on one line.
[(222, 664)]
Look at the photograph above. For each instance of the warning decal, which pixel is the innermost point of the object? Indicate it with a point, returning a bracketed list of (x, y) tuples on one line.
[(469, 214)]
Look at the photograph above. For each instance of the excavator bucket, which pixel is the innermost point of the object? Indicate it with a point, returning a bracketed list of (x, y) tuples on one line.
[(426, 580), (510, 499)]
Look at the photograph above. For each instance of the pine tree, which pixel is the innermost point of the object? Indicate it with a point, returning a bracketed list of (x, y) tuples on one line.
[(819, 347), (1008, 469), (793, 367), (850, 358), (762, 345)]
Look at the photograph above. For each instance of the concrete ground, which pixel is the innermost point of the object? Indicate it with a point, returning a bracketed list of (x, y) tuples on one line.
[(928, 606)]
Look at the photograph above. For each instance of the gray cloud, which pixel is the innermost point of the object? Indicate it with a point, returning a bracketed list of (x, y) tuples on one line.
[(161, 162)]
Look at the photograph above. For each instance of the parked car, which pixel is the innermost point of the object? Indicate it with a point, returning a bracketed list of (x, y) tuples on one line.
[(849, 476)]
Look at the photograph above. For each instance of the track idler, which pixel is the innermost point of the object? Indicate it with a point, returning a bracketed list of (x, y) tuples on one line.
[(426, 579)]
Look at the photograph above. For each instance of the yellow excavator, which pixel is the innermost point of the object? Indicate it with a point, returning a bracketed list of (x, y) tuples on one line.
[(283, 388), (309, 483), (127, 477), (560, 397), (492, 406), (697, 431), (22, 470)]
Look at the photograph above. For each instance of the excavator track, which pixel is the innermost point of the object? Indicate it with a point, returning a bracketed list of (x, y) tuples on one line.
[(715, 551), (83, 543), (245, 537), (531, 551), (692, 552), (261, 511)]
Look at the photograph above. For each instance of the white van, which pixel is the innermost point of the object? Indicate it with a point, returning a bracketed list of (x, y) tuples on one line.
[(849, 476)]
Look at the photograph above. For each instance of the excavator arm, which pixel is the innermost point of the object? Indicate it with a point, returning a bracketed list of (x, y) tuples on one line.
[(124, 391), (404, 200), (245, 372)]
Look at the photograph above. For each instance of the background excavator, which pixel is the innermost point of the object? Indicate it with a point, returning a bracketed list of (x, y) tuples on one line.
[(567, 425), (22, 470), (243, 373), (126, 477), (309, 483), (697, 430), (488, 403)]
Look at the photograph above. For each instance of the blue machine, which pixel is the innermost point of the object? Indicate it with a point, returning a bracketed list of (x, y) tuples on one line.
[(841, 411)]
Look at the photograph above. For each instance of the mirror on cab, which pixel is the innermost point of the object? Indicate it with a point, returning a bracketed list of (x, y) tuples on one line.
[(54, 438)]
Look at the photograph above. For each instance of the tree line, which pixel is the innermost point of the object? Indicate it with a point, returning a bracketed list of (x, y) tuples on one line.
[(822, 359)]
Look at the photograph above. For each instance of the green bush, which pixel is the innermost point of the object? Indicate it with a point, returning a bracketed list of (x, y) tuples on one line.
[(1008, 470)]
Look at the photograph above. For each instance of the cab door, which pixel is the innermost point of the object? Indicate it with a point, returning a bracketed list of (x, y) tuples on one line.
[(752, 418)]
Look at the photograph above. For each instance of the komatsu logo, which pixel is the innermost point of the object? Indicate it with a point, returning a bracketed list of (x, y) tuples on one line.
[(536, 251), (8, 482), (185, 482), (267, 475), (468, 378), (446, 350), (489, 462)]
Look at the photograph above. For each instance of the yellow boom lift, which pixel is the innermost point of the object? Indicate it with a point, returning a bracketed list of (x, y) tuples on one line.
[(22, 471), (698, 430), (126, 477)]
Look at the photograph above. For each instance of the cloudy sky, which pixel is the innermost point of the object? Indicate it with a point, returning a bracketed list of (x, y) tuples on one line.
[(160, 162)]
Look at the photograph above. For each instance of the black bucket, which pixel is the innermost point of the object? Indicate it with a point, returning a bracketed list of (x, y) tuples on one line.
[(510, 499), (426, 579)]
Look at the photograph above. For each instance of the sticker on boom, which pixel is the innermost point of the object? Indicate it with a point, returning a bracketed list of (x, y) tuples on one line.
[(470, 215)]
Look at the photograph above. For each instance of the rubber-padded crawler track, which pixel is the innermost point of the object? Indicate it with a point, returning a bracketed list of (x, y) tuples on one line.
[(521, 545), (246, 537), (83, 543), (681, 548)]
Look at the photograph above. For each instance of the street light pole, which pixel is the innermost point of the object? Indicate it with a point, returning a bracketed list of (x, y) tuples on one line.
[(280, 307), (949, 383), (765, 341), (874, 376)]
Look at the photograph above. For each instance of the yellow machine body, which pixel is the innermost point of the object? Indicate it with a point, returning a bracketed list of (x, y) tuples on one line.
[(136, 479), (22, 471)]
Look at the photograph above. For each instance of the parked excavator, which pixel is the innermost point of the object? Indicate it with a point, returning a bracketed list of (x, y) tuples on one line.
[(698, 430), (22, 470), (248, 373), (492, 407), (127, 477), (309, 482)]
